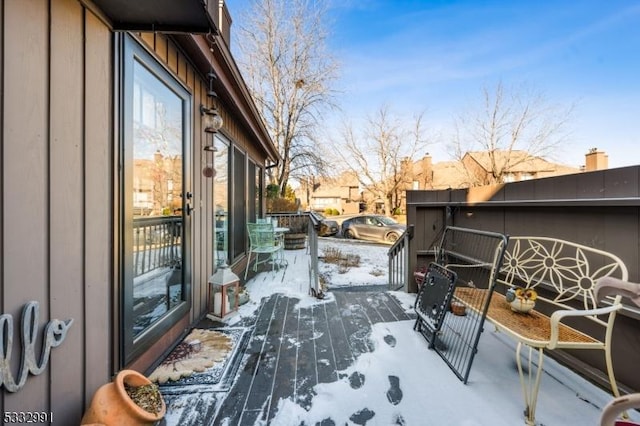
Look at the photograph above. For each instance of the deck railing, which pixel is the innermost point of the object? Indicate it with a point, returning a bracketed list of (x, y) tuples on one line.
[(304, 223), (314, 275), (399, 261), (156, 243)]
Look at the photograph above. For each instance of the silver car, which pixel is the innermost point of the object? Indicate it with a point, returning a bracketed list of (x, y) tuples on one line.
[(373, 228)]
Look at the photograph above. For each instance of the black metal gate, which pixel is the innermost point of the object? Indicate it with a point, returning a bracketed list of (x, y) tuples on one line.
[(472, 259)]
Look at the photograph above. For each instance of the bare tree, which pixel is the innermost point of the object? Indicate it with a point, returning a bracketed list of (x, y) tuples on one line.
[(289, 73), (379, 154), (509, 128)]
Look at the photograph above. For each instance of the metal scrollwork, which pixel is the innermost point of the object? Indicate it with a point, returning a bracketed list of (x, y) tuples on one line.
[(54, 334)]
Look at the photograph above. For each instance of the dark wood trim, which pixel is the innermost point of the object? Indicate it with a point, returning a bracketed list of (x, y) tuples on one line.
[(162, 346), (230, 86)]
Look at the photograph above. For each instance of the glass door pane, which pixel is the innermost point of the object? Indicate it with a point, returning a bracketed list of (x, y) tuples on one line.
[(155, 200)]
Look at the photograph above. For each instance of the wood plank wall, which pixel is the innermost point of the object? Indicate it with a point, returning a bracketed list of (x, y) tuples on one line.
[(58, 192), (56, 195)]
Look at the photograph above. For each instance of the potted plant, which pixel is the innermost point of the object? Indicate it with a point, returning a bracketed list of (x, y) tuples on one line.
[(130, 399)]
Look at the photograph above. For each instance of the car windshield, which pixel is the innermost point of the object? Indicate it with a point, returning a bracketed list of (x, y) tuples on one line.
[(387, 220)]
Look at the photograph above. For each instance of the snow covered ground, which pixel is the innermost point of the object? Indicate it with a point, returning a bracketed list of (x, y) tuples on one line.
[(408, 384)]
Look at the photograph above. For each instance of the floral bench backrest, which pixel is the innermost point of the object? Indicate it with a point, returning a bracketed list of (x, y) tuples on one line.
[(565, 272)]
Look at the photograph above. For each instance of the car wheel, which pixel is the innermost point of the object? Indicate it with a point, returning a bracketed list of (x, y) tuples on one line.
[(392, 238), (349, 234)]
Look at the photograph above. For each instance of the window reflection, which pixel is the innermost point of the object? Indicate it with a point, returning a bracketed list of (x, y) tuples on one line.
[(157, 186), (221, 202)]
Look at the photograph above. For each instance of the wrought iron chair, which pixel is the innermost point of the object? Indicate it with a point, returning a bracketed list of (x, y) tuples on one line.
[(263, 241)]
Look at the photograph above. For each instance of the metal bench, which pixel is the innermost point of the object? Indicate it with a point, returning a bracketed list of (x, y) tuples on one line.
[(564, 276)]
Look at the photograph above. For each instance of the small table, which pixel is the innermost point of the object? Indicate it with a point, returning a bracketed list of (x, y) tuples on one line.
[(280, 231)]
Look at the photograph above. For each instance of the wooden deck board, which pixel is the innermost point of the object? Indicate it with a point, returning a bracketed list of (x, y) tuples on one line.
[(341, 349), (370, 307), (292, 349), (397, 310), (285, 383), (238, 394), (306, 373), (356, 323), (265, 370), (326, 364)]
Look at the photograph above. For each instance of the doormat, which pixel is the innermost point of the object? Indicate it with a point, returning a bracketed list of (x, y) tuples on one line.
[(204, 357)]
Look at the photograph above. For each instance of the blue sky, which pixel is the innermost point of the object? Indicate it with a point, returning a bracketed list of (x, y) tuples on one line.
[(436, 56)]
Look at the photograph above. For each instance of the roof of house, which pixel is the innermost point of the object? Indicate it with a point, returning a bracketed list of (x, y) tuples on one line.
[(452, 174)]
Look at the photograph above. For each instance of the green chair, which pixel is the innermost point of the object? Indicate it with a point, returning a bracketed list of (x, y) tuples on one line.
[(263, 241)]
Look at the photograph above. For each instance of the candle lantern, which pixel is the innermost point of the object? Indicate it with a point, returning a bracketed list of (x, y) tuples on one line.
[(223, 290)]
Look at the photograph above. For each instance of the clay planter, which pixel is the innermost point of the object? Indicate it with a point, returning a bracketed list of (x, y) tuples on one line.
[(458, 308), (112, 406)]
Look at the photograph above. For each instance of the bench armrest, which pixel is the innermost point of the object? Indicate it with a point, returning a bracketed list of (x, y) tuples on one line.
[(557, 317)]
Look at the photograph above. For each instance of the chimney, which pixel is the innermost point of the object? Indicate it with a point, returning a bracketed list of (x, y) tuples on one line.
[(427, 168), (596, 160)]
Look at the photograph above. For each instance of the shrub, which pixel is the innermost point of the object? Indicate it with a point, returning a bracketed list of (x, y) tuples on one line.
[(332, 255), (281, 205)]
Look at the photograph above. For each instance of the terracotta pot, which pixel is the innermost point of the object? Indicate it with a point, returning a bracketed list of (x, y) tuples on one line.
[(112, 406), (458, 308)]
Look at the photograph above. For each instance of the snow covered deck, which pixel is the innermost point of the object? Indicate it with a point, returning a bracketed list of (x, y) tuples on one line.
[(354, 358)]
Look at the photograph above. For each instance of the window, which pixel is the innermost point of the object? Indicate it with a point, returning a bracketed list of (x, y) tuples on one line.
[(236, 200), (221, 201), (239, 218), (255, 191)]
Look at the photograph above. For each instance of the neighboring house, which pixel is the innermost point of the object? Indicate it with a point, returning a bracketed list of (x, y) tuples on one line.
[(424, 174), (475, 168), (341, 193), (510, 166), (118, 198)]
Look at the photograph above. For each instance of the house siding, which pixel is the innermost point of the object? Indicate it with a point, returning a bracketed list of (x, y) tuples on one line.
[(56, 228), (59, 194)]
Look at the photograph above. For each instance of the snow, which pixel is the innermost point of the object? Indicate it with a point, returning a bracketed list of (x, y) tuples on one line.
[(373, 268), (406, 383)]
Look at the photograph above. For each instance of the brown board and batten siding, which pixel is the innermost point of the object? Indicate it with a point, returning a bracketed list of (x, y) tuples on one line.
[(56, 196), (25, 166), (59, 188)]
